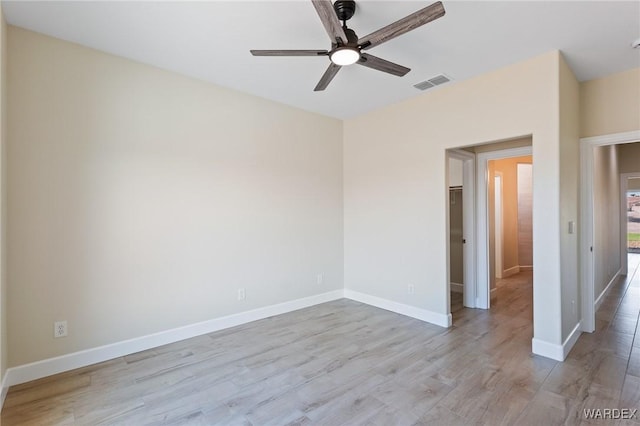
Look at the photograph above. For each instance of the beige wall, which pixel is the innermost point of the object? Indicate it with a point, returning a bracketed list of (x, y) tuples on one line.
[(395, 192), (141, 200), (633, 183), (3, 198), (455, 172), (497, 146), (610, 104), (629, 157), (569, 132), (606, 216), (525, 215), (128, 164)]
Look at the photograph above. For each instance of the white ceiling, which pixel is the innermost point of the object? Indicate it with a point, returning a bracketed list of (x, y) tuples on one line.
[(210, 40)]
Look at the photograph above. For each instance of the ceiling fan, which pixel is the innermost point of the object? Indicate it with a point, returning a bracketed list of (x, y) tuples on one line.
[(347, 48)]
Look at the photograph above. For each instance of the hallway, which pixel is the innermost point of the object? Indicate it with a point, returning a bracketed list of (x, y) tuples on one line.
[(601, 371), (512, 297), (608, 360)]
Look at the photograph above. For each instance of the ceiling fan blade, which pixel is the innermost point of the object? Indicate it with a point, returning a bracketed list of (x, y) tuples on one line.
[(382, 65), (330, 20), (404, 25), (289, 52), (327, 77)]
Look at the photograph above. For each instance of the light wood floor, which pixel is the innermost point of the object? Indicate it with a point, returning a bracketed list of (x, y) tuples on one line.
[(347, 363)]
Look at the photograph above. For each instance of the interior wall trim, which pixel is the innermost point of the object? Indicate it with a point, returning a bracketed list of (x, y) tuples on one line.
[(555, 351), (443, 320), (511, 271), (47, 367), (4, 390), (456, 287), (600, 297), (571, 340)]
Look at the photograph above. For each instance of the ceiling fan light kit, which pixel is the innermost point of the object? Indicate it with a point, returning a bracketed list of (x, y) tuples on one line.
[(344, 56), (346, 47)]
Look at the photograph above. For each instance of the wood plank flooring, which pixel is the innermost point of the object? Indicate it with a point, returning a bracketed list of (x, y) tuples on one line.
[(348, 363)]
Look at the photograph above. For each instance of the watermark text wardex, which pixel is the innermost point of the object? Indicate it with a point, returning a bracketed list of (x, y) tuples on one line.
[(610, 413)]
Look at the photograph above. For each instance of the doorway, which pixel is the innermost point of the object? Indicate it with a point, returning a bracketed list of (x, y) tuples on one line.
[(510, 194), (477, 259), (456, 235), (504, 165), (461, 229), (604, 251)]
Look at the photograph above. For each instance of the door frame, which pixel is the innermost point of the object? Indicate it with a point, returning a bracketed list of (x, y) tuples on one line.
[(468, 224), (483, 297), (588, 320)]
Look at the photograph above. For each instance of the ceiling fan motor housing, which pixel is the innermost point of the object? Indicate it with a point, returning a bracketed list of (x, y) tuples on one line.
[(344, 9), (352, 38)]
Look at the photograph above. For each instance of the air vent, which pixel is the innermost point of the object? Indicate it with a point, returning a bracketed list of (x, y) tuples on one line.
[(439, 79), (424, 85), (432, 82)]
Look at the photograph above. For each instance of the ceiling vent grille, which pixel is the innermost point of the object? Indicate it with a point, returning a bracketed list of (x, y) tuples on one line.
[(432, 82), (424, 85)]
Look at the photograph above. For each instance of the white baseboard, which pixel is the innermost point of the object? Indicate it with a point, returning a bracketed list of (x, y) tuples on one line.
[(600, 298), (526, 268), (50, 366), (456, 287), (5, 389), (571, 340), (511, 271), (547, 350), (47, 367), (555, 351), (443, 320)]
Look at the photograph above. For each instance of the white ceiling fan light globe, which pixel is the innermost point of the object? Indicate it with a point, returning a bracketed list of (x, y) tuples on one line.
[(345, 56)]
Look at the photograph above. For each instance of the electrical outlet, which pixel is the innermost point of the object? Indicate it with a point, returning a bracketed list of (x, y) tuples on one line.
[(319, 279), (59, 329), (241, 294), (573, 307), (411, 289)]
